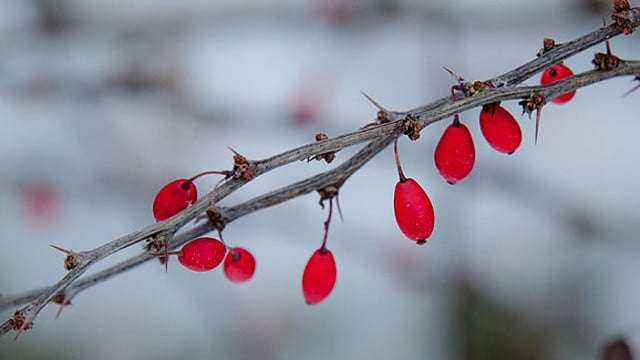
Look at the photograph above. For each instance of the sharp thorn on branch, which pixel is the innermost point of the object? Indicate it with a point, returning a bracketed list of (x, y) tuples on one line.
[(375, 103)]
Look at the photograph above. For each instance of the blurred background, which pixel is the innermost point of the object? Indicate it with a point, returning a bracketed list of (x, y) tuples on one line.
[(534, 255)]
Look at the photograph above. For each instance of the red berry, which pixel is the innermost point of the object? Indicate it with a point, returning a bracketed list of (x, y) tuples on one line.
[(455, 153), (239, 265), (413, 210), (202, 254), (500, 128), (173, 198), (42, 203), (319, 276), (555, 73)]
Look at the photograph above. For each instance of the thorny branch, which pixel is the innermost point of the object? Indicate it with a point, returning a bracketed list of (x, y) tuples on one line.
[(388, 126)]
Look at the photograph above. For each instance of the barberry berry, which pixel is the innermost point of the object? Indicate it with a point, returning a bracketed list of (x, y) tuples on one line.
[(555, 73), (173, 198), (201, 254), (319, 276), (239, 265), (500, 128), (412, 207), (177, 195), (455, 154), (413, 210)]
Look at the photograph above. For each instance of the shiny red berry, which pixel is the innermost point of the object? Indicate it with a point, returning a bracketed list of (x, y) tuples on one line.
[(555, 73), (413, 209), (239, 265), (178, 194), (173, 198), (500, 128), (455, 153), (201, 254), (319, 276)]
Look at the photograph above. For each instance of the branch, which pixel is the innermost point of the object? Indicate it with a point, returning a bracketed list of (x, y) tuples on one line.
[(390, 125)]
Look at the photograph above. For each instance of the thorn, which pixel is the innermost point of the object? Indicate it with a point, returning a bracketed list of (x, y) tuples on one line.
[(339, 209), (537, 125), (61, 249), (62, 305), (61, 299), (59, 311), (18, 333), (70, 260), (166, 258), (375, 103), (25, 325), (233, 151), (632, 90), (456, 76)]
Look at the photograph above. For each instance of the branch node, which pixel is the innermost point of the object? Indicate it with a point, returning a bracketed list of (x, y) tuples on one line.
[(158, 244), (216, 219), (467, 88), (622, 16), (531, 104), (17, 321), (411, 126), (606, 61), (242, 168), (71, 260), (327, 193), (547, 45), (61, 299), (381, 117), (328, 157)]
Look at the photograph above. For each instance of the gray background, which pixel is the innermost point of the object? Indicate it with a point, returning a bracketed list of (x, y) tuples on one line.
[(534, 255)]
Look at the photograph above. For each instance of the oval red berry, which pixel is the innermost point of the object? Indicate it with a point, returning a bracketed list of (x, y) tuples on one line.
[(455, 154), (202, 254), (319, 276), (413, 210), (239, 265), (555, 73), (173, 198), (500, 128)]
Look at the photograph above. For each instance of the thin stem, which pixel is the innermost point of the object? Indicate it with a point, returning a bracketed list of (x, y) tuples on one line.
[(326, 226), (456, 120), (397, 158), (220, 236), (226, 173)]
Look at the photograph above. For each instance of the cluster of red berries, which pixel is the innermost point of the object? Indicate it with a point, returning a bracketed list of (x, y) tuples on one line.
[(204, 253), (454, 157)]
